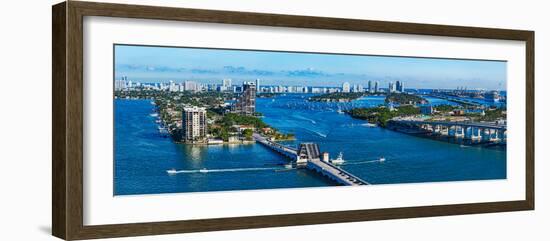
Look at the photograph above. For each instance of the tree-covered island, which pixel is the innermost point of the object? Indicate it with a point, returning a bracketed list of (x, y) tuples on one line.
[(381, 115), (404, 99), (338, 97)]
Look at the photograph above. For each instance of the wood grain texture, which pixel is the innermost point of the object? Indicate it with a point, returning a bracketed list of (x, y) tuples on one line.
[(530, 120), (67, 137), (59, 181)]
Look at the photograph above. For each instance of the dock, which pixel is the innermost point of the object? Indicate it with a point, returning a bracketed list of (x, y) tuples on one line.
[(308, 156)]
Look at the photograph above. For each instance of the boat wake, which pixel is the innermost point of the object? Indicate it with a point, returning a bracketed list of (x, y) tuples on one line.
[(363, 162), (317, 133), (320, 134), (300, 117), (204, 170)]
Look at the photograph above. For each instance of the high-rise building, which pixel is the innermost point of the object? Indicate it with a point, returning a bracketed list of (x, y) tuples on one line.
[(246, 103), (173, 87), (192, 86), (120, 84), (391, 87), (401, 86), (258, 89), (345, 87), (226, 85), (376, 87), (194, 127), (370, 86)]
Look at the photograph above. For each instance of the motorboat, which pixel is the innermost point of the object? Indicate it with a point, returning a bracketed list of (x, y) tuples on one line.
[(204, 170), (370, 125), (382, 159), (339, 160), (172, 171)]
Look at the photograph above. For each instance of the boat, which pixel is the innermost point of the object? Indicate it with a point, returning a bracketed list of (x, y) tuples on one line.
[(339, 160), (172, 171), (382, 159), (340, 111), (288, 166), (204, 170), (370, 124)]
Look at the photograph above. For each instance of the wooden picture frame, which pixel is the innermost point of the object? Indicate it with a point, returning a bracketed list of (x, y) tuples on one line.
[(67, 123)]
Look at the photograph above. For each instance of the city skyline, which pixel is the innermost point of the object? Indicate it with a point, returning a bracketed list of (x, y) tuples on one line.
[(160, 64)]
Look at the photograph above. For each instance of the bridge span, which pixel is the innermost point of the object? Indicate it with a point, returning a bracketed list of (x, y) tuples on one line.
[(487, 131), (309, 156)]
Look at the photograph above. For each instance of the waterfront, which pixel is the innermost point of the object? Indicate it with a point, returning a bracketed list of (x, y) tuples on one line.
[(142, 156)]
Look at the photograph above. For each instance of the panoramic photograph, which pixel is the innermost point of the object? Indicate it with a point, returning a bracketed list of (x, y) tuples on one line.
[(204, 119)]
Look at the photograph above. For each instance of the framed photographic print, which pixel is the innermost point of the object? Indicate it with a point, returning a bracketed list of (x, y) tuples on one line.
[(171, 120)]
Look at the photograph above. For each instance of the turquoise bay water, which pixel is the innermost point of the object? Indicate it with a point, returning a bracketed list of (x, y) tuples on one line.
[(142, 156)]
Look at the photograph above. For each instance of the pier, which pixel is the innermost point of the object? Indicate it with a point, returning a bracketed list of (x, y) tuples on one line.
[(308, 155)]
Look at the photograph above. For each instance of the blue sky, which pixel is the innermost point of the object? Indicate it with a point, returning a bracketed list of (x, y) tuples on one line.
[(154, 64)]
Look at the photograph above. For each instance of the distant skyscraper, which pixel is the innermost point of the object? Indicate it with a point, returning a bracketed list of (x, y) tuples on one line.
[(398, 86), (391, 87), (226, 85), (370, 86), (258, 89), (173, 87), (194, 127), (192, 86), (120, 84), (376, 87), (401, 87), (246, 103), (345, 87)]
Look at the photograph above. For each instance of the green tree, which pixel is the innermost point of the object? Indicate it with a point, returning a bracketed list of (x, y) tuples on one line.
[(247, 133)]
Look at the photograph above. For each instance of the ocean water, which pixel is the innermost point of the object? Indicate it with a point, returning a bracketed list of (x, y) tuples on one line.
[(142, 156)]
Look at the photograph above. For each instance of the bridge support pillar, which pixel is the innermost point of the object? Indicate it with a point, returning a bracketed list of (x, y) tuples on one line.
[(475, 134), (494, 135), (459, 131)]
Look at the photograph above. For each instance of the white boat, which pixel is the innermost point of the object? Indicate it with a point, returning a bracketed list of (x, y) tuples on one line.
[(382, 159), (204, 170), (339, 160), (172, 171), (340, 111), (370, 125)]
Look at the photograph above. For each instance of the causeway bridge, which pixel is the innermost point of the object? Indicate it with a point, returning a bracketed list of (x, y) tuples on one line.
[(486, 131), (456, 99), (309, 156)]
